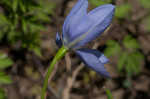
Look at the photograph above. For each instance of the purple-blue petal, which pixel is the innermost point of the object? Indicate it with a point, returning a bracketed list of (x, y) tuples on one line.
[(97, 21), (78, 12), (58, 40), (94, 60)]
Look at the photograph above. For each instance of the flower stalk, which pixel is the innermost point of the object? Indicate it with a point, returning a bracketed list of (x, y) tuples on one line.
[(61, 52)]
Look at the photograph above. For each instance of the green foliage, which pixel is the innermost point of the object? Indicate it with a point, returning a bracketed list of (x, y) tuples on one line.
[(22, 20), (99, 2), (113, 48), (2, 94), (129, 58), (123, 11), (5, 62), (4, 79), (130, 43), (147, 23), (109, 94), (145, 3), (130, 62)]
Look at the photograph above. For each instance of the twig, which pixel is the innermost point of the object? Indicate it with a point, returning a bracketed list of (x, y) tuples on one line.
[(68, 62), (71, 79), (70, 82)]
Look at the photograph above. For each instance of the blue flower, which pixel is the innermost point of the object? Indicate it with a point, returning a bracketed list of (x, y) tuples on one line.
[(81, 27)]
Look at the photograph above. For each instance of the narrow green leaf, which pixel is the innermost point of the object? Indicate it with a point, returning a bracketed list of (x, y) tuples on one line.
[(24, 26), (22, 7), (14, 5), (37, 51)]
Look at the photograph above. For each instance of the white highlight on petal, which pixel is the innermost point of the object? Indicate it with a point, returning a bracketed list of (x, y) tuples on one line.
[(103, 59)]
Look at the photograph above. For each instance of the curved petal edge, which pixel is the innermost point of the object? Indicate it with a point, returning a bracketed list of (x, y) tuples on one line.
[(94, 60)]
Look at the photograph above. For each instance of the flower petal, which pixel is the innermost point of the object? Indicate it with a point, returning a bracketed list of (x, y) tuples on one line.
[(103, 59), (94, 60), (74, 17), (97, 21), (58, 40)]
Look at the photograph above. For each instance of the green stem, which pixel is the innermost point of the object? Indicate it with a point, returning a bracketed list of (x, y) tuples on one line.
[(57, 57)]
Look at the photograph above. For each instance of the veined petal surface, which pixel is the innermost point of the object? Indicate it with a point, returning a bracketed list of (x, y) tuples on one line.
[(93, 25), (92, 59), (75, 16)]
